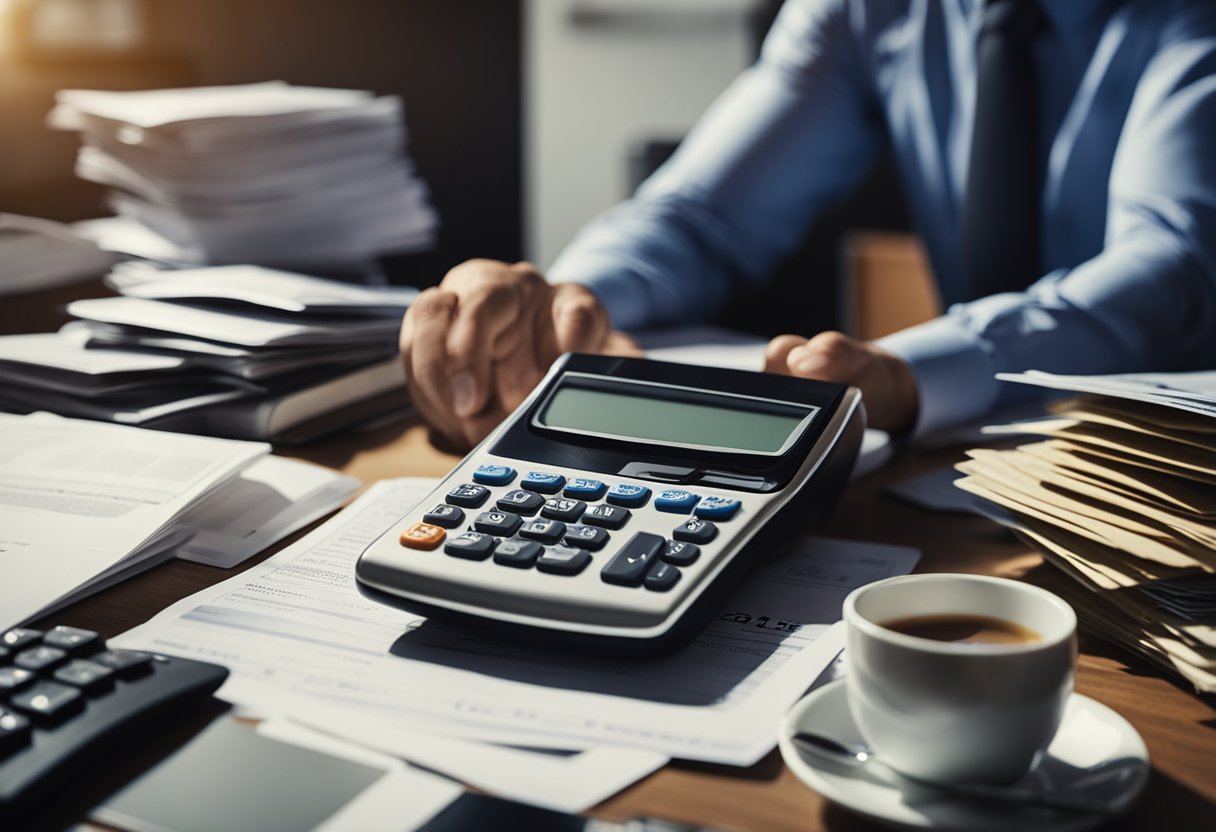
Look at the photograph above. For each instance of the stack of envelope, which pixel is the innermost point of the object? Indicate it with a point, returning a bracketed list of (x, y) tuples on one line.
[(273, 174), (1118, 489)]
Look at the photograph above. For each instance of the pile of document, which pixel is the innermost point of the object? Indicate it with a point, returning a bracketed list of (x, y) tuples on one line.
[(38, 254), (1118, 489), (273, 174), (237, 351), (84, 505)]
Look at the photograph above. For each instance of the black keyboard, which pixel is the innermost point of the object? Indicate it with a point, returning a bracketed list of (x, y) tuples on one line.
[(64, 696)]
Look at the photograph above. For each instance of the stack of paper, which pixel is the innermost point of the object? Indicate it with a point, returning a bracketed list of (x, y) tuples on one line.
[(39, 254), (237, 351), (83, 505), (268, 173), (1121, 495)]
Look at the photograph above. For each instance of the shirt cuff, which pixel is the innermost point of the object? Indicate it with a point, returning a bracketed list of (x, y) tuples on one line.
[(955, 375)]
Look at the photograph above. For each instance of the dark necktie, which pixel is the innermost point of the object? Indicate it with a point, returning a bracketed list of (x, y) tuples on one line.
[(1001, 208)]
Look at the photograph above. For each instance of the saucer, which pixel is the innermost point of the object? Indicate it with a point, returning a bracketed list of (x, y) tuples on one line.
[(1090, 734)]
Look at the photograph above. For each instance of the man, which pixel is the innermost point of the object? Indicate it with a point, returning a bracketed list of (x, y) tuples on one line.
[(1059, 157)]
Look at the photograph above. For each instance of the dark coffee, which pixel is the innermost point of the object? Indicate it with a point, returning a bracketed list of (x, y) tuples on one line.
[(974, 629)]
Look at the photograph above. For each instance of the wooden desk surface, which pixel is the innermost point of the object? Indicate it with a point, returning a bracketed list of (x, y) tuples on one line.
[(1179, 728)]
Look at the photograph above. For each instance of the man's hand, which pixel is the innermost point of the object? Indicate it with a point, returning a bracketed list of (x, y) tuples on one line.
[(887, 383), (475, 345)]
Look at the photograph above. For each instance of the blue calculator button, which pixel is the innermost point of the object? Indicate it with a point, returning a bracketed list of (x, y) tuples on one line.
[(584, 489), (493, 474), (628, 495), (718, 508), (542, 482), (676, 501)]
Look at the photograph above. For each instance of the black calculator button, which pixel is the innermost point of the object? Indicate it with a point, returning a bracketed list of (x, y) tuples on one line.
[(629, 565), (37, 659), (19, 637), (559, 508), (695, 530), (444, 515), (518, 553), (521, 502), (500, 523), (591, 538), (13, 678), (681, 553), (468, 495), (4, 654), (470, 545), (90, 677), (610, 517), (72, 640), (662, 577), (542, 482), (563, 560), (128, 664), (544, 530), (14, 731), (48, 700)]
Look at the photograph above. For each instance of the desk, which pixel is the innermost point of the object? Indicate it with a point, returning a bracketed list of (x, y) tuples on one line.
[(1179, 728)]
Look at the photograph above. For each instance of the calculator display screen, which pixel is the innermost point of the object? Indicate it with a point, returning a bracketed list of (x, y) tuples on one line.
[(676, 416)]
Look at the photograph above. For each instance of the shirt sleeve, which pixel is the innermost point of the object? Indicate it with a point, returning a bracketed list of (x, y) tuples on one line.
[(1147, 302), (792, 133)]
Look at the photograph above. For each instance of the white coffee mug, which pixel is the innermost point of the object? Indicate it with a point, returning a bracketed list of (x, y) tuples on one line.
[(955, 712)]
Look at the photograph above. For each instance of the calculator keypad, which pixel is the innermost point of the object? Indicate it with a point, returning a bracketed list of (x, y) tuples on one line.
[(560, 524)]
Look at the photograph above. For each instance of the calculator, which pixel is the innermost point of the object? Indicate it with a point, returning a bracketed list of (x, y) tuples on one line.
[(620, 504)]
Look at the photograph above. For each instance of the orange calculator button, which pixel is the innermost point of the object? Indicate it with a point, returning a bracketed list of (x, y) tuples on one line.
[(422, 536)]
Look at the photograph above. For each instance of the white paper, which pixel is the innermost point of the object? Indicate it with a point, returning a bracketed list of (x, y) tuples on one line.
[(77, 497), (1192, 392), (296, 634), (264, 503)]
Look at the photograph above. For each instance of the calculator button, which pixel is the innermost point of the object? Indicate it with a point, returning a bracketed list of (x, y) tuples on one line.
[(542, 482), (40, 658), (695, 530), (662, 577), (444, 515), (90, 677), (590, 538), (676, 500), (470, 545), (72, 640), (585, 489), (48, 700), (521, 502), (500, 523), (128, 664), (468, 495), (629, 565), (568, 511), (629, 495), (518, 553), (610, 517), (718, 508), (422, 536), (13, 678), (563, 560), (19, 637), (681, 553), (544, 530), (493, 474)]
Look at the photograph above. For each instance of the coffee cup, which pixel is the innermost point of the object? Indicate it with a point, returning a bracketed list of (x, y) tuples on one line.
[(958, 678)]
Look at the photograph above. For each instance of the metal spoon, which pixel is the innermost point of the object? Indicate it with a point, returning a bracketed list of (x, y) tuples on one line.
[(858, 754)]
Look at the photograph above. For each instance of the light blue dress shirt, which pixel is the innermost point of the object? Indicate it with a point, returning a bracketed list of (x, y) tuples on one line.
[(1127, 97)]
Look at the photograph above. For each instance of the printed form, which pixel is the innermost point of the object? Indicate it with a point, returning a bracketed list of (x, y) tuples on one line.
[(298, 637)]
